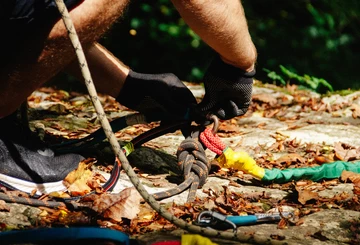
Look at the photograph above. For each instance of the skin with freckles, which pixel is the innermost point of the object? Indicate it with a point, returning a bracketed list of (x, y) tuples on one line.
[(220, 23)]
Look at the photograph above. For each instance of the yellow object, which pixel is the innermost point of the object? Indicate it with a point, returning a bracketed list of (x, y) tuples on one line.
[(240, 161), (128, 148), (188, 239)]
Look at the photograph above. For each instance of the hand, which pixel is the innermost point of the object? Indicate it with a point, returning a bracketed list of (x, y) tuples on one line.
[(227, 90), (157, 96)]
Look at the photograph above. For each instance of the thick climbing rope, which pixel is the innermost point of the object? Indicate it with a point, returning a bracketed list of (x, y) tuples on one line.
[(11, 198), (193, 162), (121, 156)]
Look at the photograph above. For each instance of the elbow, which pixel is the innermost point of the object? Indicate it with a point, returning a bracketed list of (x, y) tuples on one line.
[(248, 60)]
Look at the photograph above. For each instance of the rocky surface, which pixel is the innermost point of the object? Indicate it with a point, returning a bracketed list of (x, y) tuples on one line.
[(334, 120)]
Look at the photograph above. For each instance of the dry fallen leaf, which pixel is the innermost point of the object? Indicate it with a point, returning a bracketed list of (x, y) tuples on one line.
[(82, 120), (266, 98), (345, 152), (356, 110), (283, 224), (306, 195), (146, 213), (3, 206), (353, 177), (77, 180), (125, 204), (209, 204), (288, 159)]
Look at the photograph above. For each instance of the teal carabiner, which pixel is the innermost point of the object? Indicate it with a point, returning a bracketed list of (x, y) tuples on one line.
[(216, 220)]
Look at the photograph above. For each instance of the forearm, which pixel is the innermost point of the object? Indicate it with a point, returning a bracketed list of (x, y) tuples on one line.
[(108, 72), (223, 26)]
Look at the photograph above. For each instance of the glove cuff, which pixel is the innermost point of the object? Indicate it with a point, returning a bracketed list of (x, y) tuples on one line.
[(131, 84), (218, 68)]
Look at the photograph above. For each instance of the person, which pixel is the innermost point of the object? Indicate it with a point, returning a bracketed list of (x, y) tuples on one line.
[(35, 47)]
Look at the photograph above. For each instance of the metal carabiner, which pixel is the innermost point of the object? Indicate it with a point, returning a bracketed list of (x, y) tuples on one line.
[(212, 219), (215, 120)]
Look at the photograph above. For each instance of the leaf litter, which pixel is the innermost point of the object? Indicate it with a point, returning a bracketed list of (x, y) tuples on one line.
[(60, 116)]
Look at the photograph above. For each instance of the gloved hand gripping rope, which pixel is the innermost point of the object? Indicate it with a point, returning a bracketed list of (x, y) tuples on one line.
[(228, 158), (121, 156)]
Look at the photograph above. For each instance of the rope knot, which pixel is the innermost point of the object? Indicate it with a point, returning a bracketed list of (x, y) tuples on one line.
[(192, 158)]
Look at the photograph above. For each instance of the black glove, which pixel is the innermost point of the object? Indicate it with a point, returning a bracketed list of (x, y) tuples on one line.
[(227, 90), (157, 96)]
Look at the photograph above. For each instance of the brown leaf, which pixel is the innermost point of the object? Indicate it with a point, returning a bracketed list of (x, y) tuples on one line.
[(76, 174), (271, 113), (322, 159), (290, 158), (125, 204), (3, 206), (229, 128), (146, 213), (93, 184), (220, 200), (76, 181), (345, 152), (306, 195), (266, 98), (59, 194), (351, 176), (356, 110), (209, 204), (277, 237), (283, 223)]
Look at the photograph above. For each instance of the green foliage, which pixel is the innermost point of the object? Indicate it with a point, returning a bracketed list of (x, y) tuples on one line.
[(325, 27), (274, 76), (153, 38), (309, 82), (318, 37)]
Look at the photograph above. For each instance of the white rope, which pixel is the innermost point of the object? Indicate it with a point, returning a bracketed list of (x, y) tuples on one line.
[(125, 163)]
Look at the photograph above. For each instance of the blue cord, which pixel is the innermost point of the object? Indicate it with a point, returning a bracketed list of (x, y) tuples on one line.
[(63, 234)]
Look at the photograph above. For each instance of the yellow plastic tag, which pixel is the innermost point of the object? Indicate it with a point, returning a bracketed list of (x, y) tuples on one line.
[(128, 148), (240, 161)]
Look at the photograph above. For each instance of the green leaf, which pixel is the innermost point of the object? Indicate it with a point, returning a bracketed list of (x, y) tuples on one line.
[(197, 73), (146, 7), (135, 23), (275, 77), (173, 30), (163, 27)]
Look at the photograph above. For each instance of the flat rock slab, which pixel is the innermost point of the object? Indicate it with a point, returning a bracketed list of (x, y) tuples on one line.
[(327, 227), (324, 227), (19, 216), (328, 126)]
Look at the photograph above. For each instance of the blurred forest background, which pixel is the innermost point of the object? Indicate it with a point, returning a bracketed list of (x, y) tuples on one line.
[(315, 38)]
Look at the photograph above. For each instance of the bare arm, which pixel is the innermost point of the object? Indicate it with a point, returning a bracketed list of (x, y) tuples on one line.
[(108, 72), (223, 26)]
